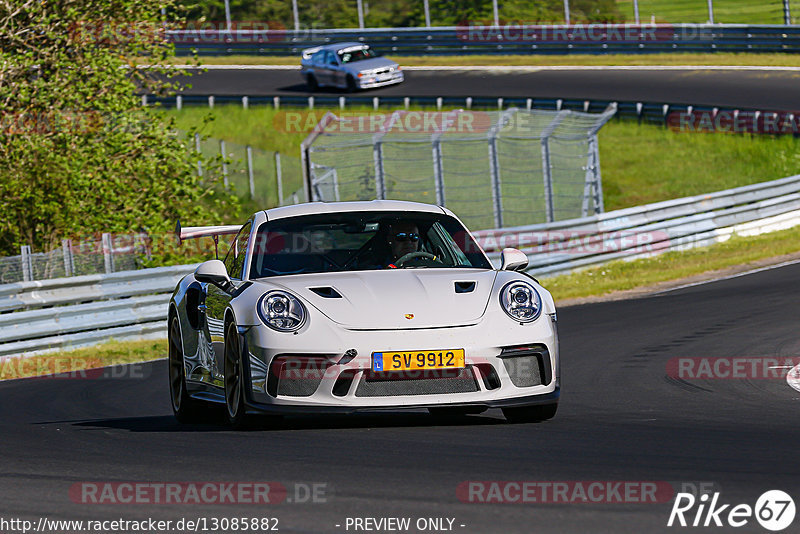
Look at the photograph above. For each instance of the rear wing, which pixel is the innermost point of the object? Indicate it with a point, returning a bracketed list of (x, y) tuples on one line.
[(195, 232)]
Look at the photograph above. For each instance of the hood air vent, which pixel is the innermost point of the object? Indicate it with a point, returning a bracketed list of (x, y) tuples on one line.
[(326, 292), (465, 287)]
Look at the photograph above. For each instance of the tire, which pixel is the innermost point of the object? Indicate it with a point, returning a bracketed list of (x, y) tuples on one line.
[(235, 408), (311, 82), (456, 411), (531, 414), (351, 84), (185, 408)]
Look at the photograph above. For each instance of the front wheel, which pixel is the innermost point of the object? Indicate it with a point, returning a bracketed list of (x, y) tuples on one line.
[(351, 84), (185, 408), (531, 414), (312, 83), (235, 409)]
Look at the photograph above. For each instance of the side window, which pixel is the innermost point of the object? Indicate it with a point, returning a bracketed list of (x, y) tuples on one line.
[(234, 261), (318, 57), (332, 58)]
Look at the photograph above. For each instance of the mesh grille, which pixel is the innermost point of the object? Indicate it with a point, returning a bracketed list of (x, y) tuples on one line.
[(527, 367), (417, 383), (296, 376)]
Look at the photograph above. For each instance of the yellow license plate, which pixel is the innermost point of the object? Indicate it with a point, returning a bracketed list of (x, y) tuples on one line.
[(414, 360)]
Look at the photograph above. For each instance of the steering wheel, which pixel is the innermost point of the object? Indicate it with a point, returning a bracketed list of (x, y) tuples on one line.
[(412, 256)]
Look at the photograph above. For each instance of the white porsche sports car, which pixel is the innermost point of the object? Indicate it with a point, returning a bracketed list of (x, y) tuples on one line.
[(356, 306)]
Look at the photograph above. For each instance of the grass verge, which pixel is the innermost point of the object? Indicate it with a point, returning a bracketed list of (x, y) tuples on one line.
[(75, 362), (624, 275), (530, 60)]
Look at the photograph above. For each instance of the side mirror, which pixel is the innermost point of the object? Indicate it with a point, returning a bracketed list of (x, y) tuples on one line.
[(213, 272), (512, 259)]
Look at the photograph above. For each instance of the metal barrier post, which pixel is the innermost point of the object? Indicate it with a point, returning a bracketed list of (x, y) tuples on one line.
[(593, 185), (547, 168), (436, 143), (597, 183), (250, 171), (27, 264), (438, 178), (377, 156), (69, 261), (494, 166), (108, 253), (590, 179), (547, 176), (222, 153), (279, 177), (494, 171), (197, 149)]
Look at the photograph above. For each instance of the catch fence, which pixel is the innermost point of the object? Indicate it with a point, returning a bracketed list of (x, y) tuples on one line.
[(493, 168)]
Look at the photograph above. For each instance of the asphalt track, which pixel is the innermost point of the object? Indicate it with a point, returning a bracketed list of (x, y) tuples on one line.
[(621, 419), (759, 89)]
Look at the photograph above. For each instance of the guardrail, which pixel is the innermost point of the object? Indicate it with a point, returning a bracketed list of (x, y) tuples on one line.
[(685, 116), (510, 39), (651, 229), (84, 310)]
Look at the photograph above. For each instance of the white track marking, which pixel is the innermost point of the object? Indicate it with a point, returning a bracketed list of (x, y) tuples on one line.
[(728, 277)]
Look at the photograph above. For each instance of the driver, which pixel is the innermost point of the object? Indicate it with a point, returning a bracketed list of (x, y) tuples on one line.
[(403, 238)]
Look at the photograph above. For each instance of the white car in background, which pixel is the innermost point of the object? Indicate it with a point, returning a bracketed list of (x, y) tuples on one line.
[(353, 306), (350, 66)]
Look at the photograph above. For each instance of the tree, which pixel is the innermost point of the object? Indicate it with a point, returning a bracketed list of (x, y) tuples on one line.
[(78, 153)]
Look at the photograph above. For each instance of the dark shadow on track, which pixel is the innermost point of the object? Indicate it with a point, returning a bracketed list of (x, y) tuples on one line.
[(167, 423), (298, 88)]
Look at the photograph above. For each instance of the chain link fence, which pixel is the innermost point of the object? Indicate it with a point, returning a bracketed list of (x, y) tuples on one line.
[(104, 254), (494, 169), (264, 178)]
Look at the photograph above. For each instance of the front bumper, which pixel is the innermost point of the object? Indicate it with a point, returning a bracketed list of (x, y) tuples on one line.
[(373, 82), (335, 371)]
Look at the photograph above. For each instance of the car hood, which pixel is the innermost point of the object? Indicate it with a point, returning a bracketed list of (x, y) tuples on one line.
[(369, 64), (395, 298)]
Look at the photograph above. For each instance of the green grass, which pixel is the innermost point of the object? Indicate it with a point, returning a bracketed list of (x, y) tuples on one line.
[(73, 361), (725, 11), (718, 59), (647, 163), (622, 275), (640, 163)]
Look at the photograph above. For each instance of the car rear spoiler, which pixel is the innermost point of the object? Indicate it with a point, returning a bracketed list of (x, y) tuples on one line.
[(308, 52), (195, 232)]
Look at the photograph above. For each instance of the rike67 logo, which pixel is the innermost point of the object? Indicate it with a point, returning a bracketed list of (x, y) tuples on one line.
[(774, 510)]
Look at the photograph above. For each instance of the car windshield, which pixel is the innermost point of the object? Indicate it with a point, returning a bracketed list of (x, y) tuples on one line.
[(359, 54), (358, 241)]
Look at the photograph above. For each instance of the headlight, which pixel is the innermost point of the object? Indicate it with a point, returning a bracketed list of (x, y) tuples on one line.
[(521, 301), (281, 311)]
